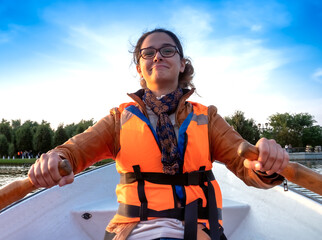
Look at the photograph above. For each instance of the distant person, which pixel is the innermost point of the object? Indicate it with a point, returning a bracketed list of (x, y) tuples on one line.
[(158, 141)]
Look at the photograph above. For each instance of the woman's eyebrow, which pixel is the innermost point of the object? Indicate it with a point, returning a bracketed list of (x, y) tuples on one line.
[(163, 45)]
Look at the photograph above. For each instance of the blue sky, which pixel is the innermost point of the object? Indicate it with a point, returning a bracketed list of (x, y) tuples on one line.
[(63, 61)]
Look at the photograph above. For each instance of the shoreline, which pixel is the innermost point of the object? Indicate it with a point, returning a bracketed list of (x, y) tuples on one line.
[(19, 161)]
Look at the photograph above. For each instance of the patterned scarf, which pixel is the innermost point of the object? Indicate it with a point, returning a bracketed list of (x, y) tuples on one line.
[(165, 130)]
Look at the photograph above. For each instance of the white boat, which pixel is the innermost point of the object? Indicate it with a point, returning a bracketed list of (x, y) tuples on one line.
[(82, 210)]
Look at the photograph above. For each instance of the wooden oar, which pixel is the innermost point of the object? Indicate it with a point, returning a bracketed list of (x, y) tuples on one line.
[(18, 189), (293, 172)]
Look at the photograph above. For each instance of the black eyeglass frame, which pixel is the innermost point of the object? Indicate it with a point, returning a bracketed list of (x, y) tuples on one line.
[(158, 50)]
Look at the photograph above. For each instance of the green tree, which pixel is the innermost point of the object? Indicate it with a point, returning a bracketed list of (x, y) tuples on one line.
[(11, 150), (16, 123), (289, 128), (3, 145), (312, 136), (24, 138), (79, 129), (70, 129), (83, 125), (245, 127), (6, 130), (60, 136), (43, 138)]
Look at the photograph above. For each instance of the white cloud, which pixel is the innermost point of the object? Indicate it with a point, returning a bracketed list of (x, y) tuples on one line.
[(4, 37), (256, 27), (317, 75), (232, 72), (11, 33), (267, 14), (191, 23)]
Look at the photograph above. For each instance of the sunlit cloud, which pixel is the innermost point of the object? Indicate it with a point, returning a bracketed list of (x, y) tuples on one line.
[(268, 14), (12, 31), (89, 70), (317, 75), (192, 23), (256, 27), (235, 75), (4, 37)]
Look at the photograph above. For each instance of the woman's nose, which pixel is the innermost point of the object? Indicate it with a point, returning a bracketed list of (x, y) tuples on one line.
[(157, 57)]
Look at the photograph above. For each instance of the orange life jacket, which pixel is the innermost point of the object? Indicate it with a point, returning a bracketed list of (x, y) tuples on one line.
[(145, 192)]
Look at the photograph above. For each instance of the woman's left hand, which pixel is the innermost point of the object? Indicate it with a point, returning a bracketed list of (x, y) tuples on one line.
[(272, 157)]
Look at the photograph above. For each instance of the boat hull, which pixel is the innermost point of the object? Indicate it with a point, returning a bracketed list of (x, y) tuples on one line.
[(83, 209)]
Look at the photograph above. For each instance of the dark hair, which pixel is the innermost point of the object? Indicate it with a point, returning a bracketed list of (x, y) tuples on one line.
[(185, 78)]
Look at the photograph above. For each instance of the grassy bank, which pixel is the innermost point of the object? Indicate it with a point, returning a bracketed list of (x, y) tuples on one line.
[(32, 160), (17, 161)]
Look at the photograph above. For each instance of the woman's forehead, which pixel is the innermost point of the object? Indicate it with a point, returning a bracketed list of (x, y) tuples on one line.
[(157, 39)]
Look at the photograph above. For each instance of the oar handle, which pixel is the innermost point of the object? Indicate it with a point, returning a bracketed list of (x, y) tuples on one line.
[(20, 188), (293, 172)]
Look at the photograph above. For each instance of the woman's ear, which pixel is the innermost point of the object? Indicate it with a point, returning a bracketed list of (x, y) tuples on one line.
[(183, 65), (138, 69)]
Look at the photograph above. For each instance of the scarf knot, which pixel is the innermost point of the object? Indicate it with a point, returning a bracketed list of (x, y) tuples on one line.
[(165, 131)]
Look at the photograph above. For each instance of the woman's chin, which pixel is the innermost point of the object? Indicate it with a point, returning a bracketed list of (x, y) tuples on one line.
[(164, 82)]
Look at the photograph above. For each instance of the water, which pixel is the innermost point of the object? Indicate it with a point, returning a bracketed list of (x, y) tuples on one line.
[(9, 174)]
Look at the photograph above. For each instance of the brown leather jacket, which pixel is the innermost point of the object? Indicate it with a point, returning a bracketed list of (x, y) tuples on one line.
[(102, 141)]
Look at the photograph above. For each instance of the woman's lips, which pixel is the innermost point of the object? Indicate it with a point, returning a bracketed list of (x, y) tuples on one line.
[(159, 66)]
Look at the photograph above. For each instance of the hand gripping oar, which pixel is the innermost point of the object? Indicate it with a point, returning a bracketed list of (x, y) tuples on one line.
[(18, 189), (293, 172)]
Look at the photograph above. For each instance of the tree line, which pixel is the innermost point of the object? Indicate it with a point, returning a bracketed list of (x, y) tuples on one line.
[(297, 130), (31, 138)]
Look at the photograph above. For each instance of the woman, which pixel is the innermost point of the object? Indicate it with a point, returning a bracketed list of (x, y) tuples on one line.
[(164, 147)]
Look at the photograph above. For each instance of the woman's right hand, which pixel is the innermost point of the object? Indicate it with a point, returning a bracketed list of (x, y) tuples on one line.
[(44, 172)]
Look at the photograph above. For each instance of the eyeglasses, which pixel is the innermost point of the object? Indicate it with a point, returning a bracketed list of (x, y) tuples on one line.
[(166, 52)]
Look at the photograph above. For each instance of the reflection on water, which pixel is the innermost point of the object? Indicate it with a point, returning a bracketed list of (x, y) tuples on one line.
[(9, 174)]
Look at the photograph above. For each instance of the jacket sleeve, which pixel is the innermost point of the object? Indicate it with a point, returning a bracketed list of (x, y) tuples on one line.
[(95, 144), (224, 142)]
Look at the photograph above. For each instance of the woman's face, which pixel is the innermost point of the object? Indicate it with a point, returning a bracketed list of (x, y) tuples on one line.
[(160, 72)]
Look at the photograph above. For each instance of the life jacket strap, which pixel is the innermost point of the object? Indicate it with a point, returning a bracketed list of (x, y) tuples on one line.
[(214, 225), (133, 211), (190, 213), (191, 220), (143, 214), (184, 179)]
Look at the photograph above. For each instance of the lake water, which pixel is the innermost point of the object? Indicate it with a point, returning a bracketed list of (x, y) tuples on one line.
[(9, 174)]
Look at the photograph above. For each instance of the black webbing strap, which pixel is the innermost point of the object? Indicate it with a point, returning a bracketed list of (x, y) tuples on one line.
[(184, 179), (213, 213), (133, 211), (190, 213), (109, 236), (143, 214), (191, 220)]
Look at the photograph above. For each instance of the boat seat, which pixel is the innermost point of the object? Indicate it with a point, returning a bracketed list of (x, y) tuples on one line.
[(233, 214), (95, 218)]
